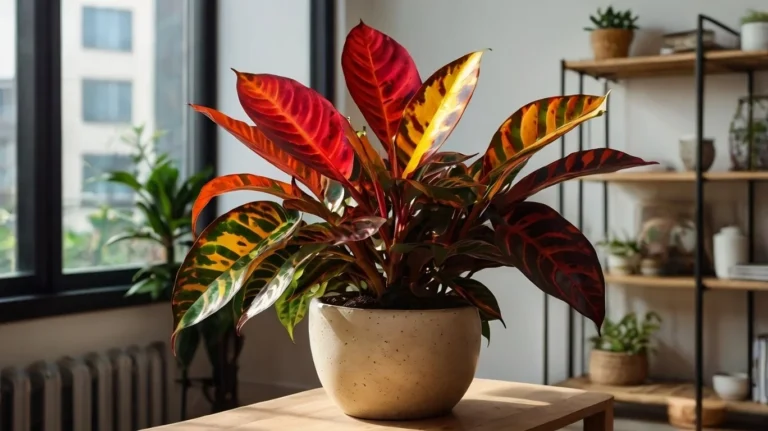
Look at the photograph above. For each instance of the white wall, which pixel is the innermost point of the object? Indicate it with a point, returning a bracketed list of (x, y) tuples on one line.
[(647, 117)]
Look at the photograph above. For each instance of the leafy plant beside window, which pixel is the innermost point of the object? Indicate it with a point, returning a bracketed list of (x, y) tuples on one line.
[(628, 335), (613, 19), (403, 230), (165, 204)]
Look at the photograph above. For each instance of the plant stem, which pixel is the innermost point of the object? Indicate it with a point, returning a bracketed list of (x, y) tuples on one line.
[(370, 270), (473, 215)]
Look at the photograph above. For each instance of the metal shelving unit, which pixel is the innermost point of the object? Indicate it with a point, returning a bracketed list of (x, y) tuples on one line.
[(699, 64)]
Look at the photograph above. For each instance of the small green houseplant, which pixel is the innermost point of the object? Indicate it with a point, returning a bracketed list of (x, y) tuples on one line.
[(754, 31), (389, 268), (164, 198), (623, 255), (620, 353), (612, 33)]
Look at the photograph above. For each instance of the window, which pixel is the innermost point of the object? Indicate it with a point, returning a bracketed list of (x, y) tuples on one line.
[(109, 29), (107, 101), (8, 249), (63, 119), (7, 102), (99, 191)]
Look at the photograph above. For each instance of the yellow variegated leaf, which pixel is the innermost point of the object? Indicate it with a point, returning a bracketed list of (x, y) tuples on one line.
[(537, 124), (434, 111), (221, 254)]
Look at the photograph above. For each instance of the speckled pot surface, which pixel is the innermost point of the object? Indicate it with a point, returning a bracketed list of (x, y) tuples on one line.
[(394, 364)]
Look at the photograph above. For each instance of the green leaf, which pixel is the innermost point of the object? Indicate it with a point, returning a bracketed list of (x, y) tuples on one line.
[(141, 233), (479, 295), (279, 283), (485, 329), (320, 270), (333, 197), (186, 346), (124, 178)]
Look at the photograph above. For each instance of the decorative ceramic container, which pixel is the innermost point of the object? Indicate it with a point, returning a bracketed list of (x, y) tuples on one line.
[(650, 266), (731, 386), (688, 153), (617, 368), (754, 36), (394, 364), (731, 248), (622, 265), (611, 42)]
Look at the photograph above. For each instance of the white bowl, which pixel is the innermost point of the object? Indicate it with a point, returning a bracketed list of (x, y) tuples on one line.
[(731, 386)]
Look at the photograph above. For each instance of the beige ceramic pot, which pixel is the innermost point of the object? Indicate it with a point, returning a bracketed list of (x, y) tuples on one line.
[(394, 364)]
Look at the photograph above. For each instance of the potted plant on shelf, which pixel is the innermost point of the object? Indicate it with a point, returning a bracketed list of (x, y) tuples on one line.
[(387, 275), (623, 255), (164, 201), (612, 33), (619, 354), (754, 31)]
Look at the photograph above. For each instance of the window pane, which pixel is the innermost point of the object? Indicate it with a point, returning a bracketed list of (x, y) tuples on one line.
[(123, 93), (8, 255), (109, 29)]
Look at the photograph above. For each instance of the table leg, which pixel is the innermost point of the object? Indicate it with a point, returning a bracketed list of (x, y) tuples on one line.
[(601, 421)]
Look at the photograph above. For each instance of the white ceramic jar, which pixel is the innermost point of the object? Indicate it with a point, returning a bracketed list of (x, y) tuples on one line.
[(754, 36), (731, 249)]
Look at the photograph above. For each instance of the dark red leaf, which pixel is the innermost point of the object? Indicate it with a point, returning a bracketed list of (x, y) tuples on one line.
[(575, 165), (555, 256)]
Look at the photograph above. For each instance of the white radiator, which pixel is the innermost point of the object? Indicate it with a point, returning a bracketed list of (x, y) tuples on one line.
[(120, 390)]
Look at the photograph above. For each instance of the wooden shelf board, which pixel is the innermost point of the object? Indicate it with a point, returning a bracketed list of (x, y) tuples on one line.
[(658, 392), (689, 177), (718, 62), (684, 282)]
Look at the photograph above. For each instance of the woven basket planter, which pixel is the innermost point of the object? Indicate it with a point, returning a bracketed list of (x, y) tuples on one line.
[(611, 43), (617, 369)]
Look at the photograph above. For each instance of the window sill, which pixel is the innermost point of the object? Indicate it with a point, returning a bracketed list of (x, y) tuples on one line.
[(27, 307)]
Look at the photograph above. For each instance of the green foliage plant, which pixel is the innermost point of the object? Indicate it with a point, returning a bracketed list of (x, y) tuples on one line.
[(754, 16), (628, 335), (613, 19)]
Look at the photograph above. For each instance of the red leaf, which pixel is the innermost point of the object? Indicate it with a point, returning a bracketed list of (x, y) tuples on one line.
[(254, 139), (301, 121), (555, 256), (381, 77), (575, 165), (236, 182)]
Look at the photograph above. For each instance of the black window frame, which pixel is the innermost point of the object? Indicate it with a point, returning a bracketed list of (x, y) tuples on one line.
[(41, 288)]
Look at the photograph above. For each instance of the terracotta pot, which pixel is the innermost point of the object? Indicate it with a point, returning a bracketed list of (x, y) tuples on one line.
[(611, 42), (617, 369), (394, 364)]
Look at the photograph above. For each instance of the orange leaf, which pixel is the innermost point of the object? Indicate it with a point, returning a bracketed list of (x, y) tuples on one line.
[(237, 182), (254, 139)]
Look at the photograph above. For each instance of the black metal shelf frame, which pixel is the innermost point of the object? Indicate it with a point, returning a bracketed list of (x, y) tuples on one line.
[(699, 78)]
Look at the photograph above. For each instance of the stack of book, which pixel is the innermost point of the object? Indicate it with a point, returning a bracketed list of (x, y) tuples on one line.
[(756, 272), (760, 369)]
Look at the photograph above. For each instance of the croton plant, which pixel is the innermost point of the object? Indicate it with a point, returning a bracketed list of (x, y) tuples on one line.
[(397, 223)]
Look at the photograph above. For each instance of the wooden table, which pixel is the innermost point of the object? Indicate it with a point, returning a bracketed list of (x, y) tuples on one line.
[(489, 405)]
